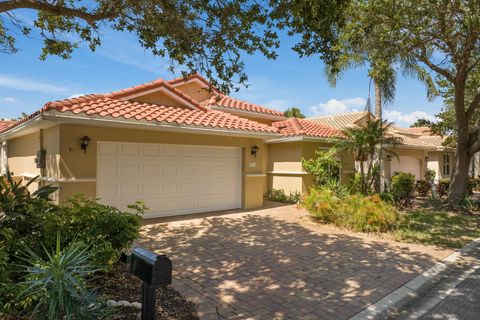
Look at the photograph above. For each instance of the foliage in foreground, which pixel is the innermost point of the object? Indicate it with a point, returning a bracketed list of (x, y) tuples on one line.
[(58, 283), (30, 220), (354, 212), (279, 195)]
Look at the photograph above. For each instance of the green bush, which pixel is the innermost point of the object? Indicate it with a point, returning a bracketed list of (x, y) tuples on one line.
[(107, 230), (355, 183), (326, 166), (430, 174), (443, 186), (403, 185), (354, 212), (423, 188), (279, 195), (30, 220)]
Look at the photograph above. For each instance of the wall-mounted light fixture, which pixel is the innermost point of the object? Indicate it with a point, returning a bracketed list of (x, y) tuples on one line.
[(254, 151), (85, 141), (426, 158), (389, 157)]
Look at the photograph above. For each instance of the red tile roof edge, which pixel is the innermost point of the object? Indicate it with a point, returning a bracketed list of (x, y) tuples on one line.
[(152, 85), (194, 76), (231, 103), (214, 118), (301, 127)]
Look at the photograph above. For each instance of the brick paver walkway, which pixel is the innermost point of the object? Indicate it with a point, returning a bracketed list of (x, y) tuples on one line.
[(276, 264)]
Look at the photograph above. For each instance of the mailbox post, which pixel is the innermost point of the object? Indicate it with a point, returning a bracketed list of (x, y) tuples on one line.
[(155, 271)]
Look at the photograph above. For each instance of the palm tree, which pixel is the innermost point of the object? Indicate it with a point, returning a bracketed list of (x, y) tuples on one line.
[(363, 142), (293, 112)]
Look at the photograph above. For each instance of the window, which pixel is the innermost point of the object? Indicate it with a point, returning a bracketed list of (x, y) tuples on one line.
[(446, 164)]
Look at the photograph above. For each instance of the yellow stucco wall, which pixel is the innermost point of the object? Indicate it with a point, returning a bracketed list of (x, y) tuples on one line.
[(21, 154), (158, 98), (414, 154), (80, 165), (285, 165), (195, 91)]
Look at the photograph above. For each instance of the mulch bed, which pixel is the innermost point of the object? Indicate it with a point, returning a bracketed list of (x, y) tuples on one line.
[(118, 284)]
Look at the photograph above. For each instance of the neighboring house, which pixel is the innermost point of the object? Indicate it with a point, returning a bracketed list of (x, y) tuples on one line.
[(180, 146), (419, 148)]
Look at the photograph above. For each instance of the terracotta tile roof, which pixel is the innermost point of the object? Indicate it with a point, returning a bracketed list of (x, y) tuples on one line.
[(340, 121), (4, 124), (420, 137), (420, 130), (227, 102), (303, 127), (102, 106), (159, 83)]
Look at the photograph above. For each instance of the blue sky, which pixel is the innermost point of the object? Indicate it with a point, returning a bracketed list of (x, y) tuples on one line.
[(26, 83)]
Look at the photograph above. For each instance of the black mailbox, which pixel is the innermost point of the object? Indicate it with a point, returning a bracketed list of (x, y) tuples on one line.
[(153, 269)]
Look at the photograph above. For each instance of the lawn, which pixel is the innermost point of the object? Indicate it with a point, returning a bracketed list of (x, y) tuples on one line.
[(438, 226)]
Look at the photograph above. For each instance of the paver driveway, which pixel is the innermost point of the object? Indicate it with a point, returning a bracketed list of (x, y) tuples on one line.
[(276, 264)]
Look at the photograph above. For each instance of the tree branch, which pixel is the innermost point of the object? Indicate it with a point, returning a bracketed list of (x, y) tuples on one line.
[(473, 105), (89, 17), (444, 72)]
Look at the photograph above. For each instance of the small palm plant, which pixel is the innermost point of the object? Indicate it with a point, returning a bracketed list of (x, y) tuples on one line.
[(58, 284), (363, 142)]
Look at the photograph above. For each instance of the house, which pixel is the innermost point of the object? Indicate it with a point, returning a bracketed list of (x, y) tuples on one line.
[(181, 146), (418, 150)]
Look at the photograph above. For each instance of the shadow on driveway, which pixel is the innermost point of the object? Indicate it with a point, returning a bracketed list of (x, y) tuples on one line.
[(272, 264)]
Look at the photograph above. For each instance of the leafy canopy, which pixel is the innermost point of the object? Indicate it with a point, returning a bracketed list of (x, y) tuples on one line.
[(194, 35)]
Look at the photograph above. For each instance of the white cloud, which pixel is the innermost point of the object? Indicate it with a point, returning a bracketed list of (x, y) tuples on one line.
[(76, 95), (9, 99), (334, 106), (32, 85), (406, 119)]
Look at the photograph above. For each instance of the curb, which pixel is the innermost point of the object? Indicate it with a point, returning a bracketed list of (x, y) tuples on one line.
[(414, 288)]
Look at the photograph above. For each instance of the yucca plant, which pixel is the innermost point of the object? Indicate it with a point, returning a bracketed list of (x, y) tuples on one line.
[(57, 285)]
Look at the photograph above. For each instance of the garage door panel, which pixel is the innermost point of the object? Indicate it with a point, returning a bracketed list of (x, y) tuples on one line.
[(169, 179)]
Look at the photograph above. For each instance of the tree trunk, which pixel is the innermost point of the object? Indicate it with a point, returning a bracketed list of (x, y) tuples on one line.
[(379, 181), (378, 101), (458, 185)]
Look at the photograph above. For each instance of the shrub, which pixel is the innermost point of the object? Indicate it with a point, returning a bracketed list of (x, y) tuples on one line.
[(57, 285), (30, 220), (422, 187), (355, 183), (107, 230), (336, 187), (354, 212), (430, 175), (443, 186), (324, 167), (279, 195), (402, 188)]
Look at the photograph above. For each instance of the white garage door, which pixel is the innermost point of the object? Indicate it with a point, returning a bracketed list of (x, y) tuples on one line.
[(406, 164), (169, 179)]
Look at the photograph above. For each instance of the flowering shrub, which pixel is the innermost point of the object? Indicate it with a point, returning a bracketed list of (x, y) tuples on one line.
[(354, 212)]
